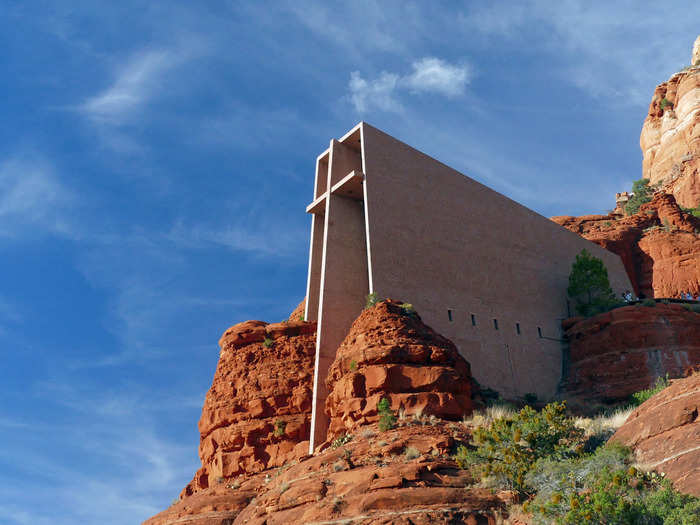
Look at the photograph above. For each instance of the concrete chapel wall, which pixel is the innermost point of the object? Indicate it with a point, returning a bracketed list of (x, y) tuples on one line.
[(442, 241)]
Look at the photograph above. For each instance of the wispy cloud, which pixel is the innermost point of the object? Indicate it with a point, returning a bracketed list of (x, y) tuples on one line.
[(31, 196), (606, 51), (135, 84), (429, 75)]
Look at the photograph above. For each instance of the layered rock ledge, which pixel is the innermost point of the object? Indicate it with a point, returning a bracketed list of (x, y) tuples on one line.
[(659, 245), (257, 412), (390, 353), (617, 353), (664, 433)]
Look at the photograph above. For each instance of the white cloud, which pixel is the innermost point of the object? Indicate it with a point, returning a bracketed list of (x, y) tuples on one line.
[(31, 196), (135, 83), (430, 75), (378, 93)]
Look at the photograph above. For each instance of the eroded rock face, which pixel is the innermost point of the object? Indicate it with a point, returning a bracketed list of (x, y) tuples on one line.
[(664, 433), (670, 138), (256, 414), (390, 353), (618, 353), (659, 245), (405, 475)]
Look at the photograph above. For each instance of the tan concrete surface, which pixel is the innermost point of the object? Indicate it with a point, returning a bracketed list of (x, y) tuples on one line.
[(426, 234)]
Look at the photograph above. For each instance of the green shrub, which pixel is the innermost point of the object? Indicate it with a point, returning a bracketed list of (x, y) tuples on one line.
[(408, 309), (267, 343), (589, 285), (642, 194), (530, 398), (387, 419), (665, 103), (649, 302), (279, 427), (640, 397), (371, 300), (341, 440), (353, 365), (508, 448), (605, 488)]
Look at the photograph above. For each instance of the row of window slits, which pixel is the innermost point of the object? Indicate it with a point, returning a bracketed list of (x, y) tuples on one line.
[(495, 323)]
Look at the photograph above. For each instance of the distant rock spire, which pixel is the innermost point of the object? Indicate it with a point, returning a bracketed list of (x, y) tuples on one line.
[(696, 53)]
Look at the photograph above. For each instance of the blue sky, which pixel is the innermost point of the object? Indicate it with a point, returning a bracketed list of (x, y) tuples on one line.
[(156, 158)]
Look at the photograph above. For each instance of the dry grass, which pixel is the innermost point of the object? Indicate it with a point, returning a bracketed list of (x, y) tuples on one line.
[(603, 424), (483, 418)]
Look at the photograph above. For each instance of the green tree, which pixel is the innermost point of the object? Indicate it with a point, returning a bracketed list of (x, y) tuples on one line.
[(589, 286), (642, 193)]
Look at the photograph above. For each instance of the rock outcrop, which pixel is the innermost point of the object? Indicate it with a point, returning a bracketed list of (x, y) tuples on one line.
[(617, 353), (404, 475), (664, 433), (256, 414), (659, 245), (670, 138), (390, 353)]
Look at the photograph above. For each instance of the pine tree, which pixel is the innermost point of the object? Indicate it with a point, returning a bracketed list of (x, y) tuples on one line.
[(589, 286)]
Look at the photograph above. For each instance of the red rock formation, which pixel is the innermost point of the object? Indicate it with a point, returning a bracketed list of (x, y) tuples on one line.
[(617, 353), (390, 353), (659, 245), (256, 414), (298, 313), (670, 138), (405, 475), (664, 433)]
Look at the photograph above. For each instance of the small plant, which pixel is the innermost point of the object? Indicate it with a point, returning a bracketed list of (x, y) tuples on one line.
[(267, 343), (640, 397), (408, 309), (508, 448), (341, 440), (371, 300), (411, 453), (607, 223), (338, 466), (649, 302), (642, 194), (368, 433), (301, 317), (665, 103), (280, 426), (530, 398), (387, 418), (353, 366), (337, 504), (220, 480)]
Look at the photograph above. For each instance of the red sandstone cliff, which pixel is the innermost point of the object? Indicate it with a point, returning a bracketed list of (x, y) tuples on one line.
[(664, 433), (670, 138), (659, 245), (617, 353), (256, 414), (403, 475)]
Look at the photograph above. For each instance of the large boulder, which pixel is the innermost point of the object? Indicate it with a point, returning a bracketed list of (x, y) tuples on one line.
[(664, 433), (390, 353), (617, 353), (256, 414)]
